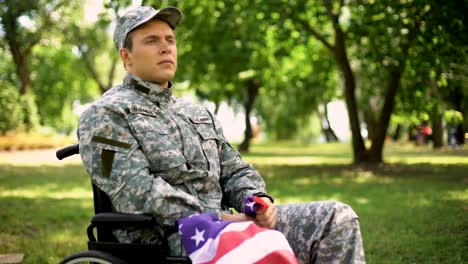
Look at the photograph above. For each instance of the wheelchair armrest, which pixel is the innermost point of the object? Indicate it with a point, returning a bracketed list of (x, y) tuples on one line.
[(112, 220), (122, 220)]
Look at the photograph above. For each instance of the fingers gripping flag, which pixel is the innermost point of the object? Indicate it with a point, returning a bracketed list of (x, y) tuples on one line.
[(253, 204), (208, 239)]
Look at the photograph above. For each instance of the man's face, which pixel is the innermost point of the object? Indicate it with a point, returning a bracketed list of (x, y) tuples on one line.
[(154, 53)]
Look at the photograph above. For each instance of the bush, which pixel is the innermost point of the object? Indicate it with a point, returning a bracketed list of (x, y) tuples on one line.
[(11, 114), (33, 140)]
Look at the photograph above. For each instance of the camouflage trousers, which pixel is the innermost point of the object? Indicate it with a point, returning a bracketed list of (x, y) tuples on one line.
[(322, 232)]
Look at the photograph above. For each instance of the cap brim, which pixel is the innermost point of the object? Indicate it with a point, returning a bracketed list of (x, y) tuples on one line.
[(171, 15)]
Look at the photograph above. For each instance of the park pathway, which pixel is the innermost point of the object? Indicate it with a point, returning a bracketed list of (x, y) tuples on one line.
[(35, 157)]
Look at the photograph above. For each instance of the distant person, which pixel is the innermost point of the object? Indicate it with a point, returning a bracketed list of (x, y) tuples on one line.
[(153, 153), (427, 133), (452, 137), (424, 134)]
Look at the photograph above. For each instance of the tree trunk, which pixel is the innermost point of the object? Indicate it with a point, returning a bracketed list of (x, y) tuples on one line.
[(22, 68), (437, 128), (20, 56), (359, 150), (436, 113), (378, 140), (252, 92), (327, 130), (397, 132)]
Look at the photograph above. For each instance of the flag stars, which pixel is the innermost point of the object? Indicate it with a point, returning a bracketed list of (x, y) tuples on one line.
[(198, 237), (251, 205)]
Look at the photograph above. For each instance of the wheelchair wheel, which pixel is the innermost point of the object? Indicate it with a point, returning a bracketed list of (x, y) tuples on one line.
[(92, 256)]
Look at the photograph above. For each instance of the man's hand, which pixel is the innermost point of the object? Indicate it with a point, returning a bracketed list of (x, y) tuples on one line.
[(267, 218), (236, 217)]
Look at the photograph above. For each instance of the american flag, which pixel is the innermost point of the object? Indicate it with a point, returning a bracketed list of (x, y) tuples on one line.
[(208, 239)]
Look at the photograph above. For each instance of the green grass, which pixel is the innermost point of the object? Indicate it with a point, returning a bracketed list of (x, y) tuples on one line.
[(44, 211), (414, 209)]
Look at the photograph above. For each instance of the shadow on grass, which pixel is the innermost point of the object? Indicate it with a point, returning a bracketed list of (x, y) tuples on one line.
[(45, 229), (53, 178), (296, 155), (390, 169), (409, 213)]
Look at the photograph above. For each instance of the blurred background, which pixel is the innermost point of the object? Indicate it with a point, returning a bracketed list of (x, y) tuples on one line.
[(311, 71)]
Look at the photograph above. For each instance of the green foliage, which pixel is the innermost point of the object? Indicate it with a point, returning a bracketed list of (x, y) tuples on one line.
[(7, 68), (453, 118), (60, 80), (294, 87), (438, 55), (11, 116)]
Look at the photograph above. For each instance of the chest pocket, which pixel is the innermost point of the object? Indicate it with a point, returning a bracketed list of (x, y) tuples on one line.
[(157, 140), (209, 141)]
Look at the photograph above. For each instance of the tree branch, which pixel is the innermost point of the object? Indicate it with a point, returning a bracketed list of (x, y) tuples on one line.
[(315, 33), (90, 68), (112, 71)]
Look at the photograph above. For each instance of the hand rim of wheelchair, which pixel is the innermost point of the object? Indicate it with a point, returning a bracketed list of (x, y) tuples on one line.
[(92, 256)]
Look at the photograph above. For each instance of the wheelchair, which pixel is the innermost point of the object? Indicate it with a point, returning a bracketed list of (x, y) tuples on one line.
[(104, 248)]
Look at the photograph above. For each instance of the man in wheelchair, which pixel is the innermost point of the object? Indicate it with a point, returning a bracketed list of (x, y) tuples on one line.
[(153, 153)]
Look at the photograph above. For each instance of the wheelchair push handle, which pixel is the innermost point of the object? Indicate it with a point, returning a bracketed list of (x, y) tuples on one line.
[(67, 151)]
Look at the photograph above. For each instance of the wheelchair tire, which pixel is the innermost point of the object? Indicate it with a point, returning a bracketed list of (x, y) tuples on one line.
[(92, 256)]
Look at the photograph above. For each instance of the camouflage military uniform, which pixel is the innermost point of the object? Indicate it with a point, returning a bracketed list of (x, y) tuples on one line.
[(322, 232), (153, 153)]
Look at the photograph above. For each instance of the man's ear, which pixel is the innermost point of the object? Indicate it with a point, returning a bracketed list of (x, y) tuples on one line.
[(125, 56)]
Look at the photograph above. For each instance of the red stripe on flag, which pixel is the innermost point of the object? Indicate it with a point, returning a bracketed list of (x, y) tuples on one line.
[(278, 257), (232, 239)]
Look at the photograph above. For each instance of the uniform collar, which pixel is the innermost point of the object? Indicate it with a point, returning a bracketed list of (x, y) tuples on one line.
[(154, 92)]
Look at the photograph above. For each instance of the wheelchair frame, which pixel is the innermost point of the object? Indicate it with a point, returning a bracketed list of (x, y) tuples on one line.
[(105, 248)]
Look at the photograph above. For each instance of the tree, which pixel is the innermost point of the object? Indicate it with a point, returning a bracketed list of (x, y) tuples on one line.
[(370, 41), (24, 24), (438, 55)]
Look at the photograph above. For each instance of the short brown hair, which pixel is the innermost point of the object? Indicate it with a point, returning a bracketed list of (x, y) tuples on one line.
[(128, 43)]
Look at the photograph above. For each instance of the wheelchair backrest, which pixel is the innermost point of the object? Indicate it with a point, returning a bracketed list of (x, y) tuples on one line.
[(102, 203)]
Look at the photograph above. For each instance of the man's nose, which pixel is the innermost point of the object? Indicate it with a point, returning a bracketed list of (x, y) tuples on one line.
[(165, 47)]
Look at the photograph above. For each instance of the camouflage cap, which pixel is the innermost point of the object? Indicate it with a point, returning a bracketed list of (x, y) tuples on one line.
[(141, 15)]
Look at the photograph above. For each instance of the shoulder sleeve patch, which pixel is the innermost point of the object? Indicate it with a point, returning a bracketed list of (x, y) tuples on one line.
[(111, 142)]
